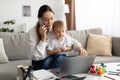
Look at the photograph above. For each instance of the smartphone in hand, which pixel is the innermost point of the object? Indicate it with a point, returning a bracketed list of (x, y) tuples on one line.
[(40, 22)]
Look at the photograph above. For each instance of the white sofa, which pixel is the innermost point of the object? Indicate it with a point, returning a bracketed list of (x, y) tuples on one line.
[(17, 50)]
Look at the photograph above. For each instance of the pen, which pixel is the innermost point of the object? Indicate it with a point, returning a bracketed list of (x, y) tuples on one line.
[(109, 77), (112, 72)]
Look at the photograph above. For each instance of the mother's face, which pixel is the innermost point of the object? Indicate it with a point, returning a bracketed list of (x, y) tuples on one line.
[(48, 19)]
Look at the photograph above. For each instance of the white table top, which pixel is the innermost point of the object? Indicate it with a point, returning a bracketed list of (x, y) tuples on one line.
[(110, 67), (95, 77)]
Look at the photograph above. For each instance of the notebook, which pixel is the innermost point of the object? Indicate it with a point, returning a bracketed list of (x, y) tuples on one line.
[(76, 65), (43, 75)]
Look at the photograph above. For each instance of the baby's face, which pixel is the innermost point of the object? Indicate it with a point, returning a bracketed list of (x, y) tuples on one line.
[(59, 32)]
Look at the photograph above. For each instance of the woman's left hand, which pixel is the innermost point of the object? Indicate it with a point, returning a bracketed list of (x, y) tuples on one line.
[(82, 51)]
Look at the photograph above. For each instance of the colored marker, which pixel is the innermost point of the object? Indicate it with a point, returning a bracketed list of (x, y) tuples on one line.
[(109, 77)]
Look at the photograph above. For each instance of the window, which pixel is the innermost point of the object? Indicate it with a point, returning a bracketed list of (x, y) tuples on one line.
[(98, 13)]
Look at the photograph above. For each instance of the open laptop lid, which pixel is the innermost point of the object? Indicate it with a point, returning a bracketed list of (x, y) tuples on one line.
[(76, 65)]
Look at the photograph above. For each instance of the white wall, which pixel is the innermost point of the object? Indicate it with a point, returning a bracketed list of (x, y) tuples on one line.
[(12, 9)]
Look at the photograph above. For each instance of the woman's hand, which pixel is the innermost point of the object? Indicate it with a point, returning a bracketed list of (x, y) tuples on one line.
[(82, 51), (43, 31)]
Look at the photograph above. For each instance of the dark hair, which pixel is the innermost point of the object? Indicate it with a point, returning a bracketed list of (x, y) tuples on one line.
[(41, 11)]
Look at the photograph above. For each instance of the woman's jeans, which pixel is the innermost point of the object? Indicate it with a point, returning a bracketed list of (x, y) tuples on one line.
[(52, 61)]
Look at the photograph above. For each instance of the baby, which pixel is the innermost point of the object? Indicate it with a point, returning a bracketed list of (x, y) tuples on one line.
[(59, 46)]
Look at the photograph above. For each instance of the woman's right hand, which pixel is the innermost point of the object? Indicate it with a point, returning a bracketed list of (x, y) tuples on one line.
[(43, 31)]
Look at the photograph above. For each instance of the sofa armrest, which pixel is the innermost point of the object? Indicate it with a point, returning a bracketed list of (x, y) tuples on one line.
[(116, 46)]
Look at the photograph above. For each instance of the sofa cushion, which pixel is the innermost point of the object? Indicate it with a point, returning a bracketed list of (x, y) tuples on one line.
[(99, 45), (16, 45), (106, 59), (3, 56), (116, 46), (79, 35), (94, 31), (82, 35)]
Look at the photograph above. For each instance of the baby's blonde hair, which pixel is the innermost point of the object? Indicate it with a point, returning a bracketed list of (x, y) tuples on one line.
[(58, 23)]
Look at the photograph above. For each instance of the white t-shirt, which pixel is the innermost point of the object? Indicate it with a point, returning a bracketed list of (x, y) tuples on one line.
[(38, 48), (54, 43)]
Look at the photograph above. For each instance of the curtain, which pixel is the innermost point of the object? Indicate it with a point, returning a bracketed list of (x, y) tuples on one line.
[(70, 17)]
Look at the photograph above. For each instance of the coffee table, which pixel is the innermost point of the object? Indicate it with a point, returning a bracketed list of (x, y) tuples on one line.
[(114, 66)]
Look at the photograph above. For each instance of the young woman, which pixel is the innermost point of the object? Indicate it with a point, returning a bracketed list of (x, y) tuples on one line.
[(39, 37)]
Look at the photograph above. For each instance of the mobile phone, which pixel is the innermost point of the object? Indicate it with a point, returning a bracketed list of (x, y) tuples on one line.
[(72, 77), (40, 22), (67, 77)]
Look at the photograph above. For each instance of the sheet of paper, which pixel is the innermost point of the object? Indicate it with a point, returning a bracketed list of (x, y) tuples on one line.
[(43, 74)]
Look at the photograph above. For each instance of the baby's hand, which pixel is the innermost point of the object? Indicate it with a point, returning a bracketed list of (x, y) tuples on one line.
[(58, 50), (82, 51), (68, 48), (63, 49)]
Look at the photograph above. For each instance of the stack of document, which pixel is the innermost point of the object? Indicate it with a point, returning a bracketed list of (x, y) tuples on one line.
[(43, 75)]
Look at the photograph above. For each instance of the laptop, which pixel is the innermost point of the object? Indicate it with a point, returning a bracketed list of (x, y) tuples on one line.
[(76, 65)]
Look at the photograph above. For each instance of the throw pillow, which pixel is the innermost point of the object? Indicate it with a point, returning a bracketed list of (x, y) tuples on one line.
[(3, 56), (99, 45)]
